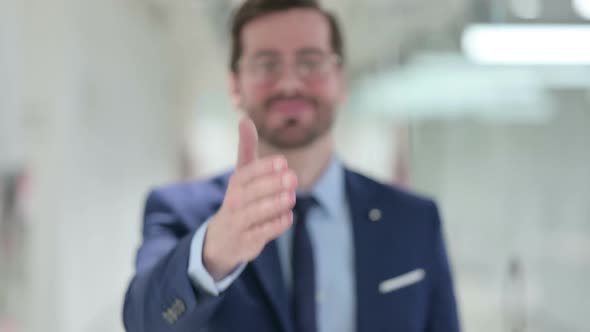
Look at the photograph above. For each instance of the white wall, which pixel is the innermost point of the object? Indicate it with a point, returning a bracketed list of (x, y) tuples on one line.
[(515, 190), (100, 119), (97, 96)]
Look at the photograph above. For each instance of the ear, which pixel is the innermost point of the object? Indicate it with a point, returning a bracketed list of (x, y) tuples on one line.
[(234, 90)]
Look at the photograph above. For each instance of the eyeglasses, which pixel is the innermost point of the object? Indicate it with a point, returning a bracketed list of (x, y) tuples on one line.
[(309, 67)]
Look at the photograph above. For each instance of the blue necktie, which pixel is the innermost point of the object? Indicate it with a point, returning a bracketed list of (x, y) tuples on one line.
[(303, 292)]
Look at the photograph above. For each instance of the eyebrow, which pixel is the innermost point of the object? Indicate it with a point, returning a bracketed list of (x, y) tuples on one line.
[(310, 51), (301, 52), (265, 53)]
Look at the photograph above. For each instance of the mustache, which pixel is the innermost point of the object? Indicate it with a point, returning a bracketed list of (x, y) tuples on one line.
[(271, 100)]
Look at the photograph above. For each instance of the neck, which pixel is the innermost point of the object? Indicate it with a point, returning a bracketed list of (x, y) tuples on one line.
[(307, 162)]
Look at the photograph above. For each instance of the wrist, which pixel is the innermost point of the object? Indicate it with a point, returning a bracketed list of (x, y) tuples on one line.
[(217, 268)]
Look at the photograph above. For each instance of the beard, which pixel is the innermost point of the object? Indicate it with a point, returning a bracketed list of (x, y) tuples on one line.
[(292, 132)]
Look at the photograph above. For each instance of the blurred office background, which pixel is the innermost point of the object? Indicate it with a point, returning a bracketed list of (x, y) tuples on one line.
[(482, 104)]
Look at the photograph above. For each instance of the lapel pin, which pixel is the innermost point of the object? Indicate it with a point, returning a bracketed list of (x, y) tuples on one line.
[(375, 215)]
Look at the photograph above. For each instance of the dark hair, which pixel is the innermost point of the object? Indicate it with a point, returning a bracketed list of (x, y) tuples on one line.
[(253, 9)]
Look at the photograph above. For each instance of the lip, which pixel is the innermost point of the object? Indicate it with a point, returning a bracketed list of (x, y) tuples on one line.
[(291, 106)]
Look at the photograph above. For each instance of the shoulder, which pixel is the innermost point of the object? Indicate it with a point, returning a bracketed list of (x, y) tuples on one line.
[(389, 191), (188, 195), (405, 203)]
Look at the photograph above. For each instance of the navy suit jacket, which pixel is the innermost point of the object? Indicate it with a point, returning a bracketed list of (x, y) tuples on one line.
[(406, 237)]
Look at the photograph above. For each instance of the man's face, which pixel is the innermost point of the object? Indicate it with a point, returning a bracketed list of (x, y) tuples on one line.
[(289, 81)]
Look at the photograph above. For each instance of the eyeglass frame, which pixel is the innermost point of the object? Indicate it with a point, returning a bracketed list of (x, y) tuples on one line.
[(272, 75)]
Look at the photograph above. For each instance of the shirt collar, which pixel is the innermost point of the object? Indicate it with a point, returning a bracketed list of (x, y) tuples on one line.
[(329, 189)]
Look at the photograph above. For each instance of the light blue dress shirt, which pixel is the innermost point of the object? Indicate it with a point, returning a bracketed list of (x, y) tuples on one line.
[(330, 227)]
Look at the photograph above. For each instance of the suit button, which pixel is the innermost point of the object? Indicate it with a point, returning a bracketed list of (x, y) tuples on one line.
[(169, 316), (174, 312), (179, 306)]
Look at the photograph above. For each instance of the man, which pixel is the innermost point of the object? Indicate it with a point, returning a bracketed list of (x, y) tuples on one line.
[(291, 240)]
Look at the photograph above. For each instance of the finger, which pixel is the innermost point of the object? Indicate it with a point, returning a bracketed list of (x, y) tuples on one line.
[(261, 167), (266, 209), (255, 239), (267, 185), (247, 144), (272, 229)]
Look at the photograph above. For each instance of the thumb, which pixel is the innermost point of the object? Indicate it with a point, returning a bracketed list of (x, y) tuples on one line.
[(248, 144)]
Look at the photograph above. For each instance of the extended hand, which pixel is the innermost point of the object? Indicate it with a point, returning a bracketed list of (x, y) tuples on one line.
[(257, 207)]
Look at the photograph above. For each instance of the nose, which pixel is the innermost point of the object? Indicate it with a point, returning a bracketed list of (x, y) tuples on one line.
[(289, 82)]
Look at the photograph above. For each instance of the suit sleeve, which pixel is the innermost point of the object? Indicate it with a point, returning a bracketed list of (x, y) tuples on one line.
[(443, 316), (161, 296)]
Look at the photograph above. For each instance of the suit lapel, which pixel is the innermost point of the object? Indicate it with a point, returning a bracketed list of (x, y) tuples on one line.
[(268, 270), (364, 206)]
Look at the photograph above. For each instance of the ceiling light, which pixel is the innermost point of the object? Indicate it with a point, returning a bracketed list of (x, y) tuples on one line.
[(527, 44)]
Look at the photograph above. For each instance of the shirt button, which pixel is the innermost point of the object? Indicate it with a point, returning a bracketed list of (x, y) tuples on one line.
[(319, 297)]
